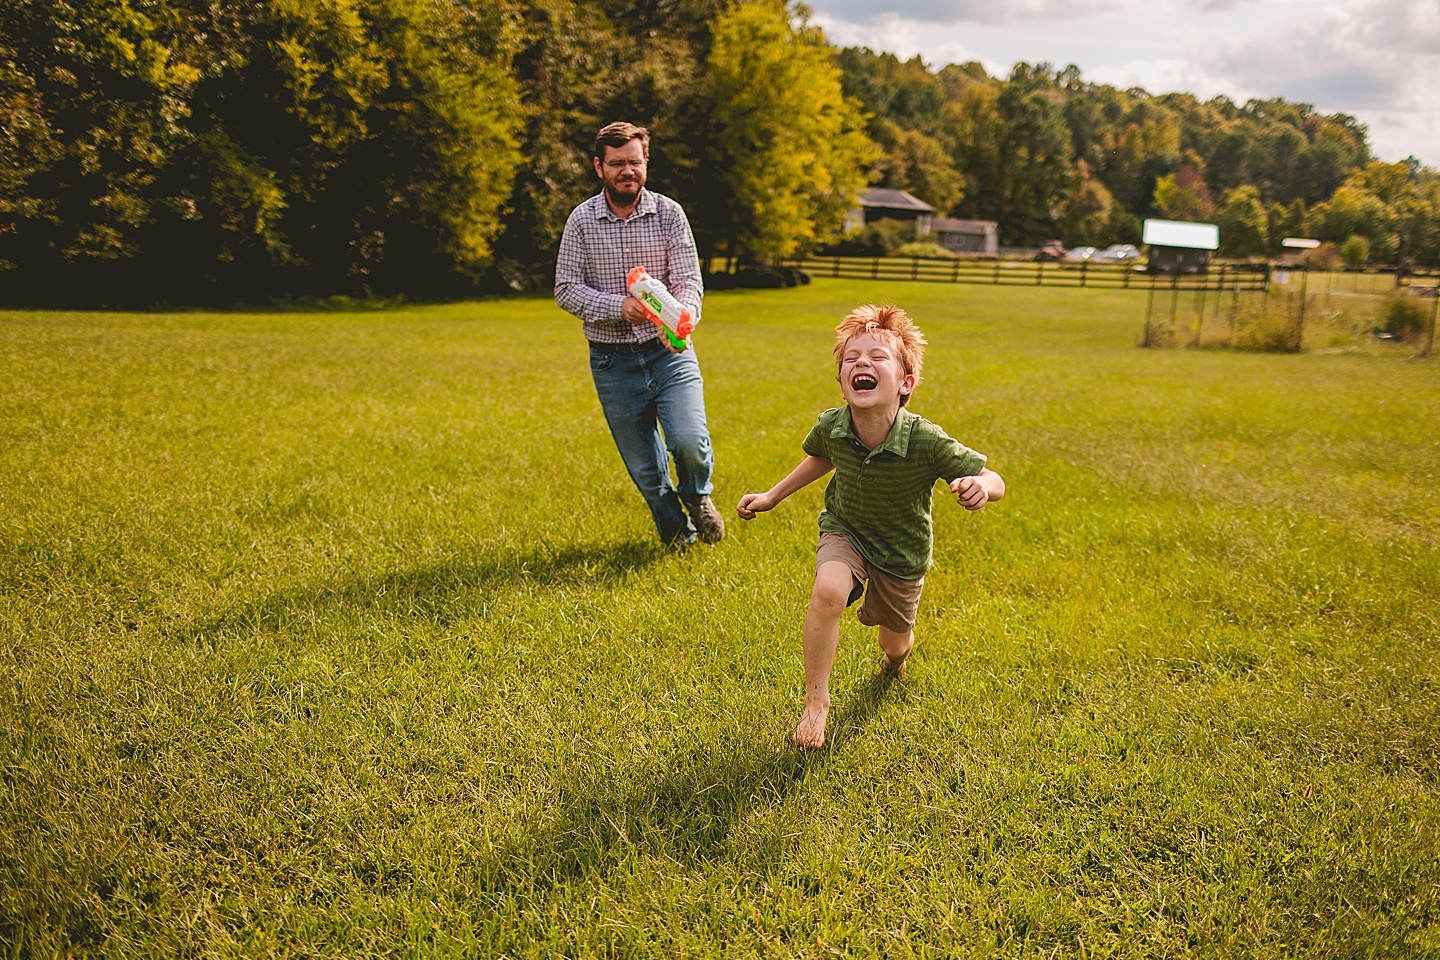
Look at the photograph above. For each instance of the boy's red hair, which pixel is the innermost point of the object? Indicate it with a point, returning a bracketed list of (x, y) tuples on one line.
[(890, 323)]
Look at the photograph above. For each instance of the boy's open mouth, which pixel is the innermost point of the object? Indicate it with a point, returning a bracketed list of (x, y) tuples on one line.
[(863, 381)]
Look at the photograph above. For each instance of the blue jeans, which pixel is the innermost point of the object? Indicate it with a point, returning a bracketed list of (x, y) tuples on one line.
[(643, 394)]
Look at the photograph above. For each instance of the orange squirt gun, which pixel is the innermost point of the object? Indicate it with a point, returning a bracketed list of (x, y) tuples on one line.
[(661, 307)]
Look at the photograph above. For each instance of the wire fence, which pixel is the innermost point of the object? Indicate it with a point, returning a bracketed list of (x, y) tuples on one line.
[(1240, 305)]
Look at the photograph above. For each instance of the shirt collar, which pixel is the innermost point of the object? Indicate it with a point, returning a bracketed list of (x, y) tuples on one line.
[(645, 207), (897, 441)]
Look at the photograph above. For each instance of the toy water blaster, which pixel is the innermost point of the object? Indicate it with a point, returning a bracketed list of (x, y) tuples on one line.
[(661, 307)]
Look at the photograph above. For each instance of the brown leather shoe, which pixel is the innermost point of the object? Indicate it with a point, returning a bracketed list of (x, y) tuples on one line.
[(707, 519)]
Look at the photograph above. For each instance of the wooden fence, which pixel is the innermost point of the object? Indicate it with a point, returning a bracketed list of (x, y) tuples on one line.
[(1017, 273)]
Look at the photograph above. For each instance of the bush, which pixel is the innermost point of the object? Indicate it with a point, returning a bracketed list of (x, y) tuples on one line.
[(877, 239), (1355, 251), (1324, 257), (1271, 324), (1405, 316), (926, 249)]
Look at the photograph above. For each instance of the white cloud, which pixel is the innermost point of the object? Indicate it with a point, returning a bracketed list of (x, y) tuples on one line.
[(973, 11), (1378, 60)]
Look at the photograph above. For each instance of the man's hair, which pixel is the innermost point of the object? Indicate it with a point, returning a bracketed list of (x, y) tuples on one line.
[(889, 323), (618, 134)]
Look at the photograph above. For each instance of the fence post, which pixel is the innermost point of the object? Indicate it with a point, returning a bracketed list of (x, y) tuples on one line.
[(1300, 324), (875, 269), (1149, 305), (1434, 308), (914, 268), (1084, 265), (1039, 271), (997, 270)]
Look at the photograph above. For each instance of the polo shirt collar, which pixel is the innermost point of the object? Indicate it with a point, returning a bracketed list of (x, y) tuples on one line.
[(645, 207), (897, 441)]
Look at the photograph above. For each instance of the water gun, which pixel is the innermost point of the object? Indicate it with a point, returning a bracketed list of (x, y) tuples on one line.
[(661, 306)]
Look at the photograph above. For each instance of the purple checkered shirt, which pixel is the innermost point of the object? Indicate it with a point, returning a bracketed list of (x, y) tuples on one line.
[(598, 250)]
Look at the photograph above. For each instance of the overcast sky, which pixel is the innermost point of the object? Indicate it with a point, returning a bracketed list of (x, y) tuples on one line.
[(1377, 60)]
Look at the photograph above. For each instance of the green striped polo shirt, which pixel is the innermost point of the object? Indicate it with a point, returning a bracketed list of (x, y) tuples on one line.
[(880, 498)]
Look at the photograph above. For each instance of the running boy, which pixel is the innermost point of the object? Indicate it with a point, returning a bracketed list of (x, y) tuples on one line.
[(875, 528)]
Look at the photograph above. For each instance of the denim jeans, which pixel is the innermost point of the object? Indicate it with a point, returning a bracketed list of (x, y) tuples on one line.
[(643, 394)]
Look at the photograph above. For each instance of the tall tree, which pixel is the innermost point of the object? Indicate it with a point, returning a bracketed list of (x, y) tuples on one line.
[(790, 147)]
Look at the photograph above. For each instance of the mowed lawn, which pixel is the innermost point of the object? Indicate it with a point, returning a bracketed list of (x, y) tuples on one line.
[(344, 634)]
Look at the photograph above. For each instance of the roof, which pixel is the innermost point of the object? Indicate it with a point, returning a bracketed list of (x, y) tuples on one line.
[(946, 225), (894, 200), (1176, 233)]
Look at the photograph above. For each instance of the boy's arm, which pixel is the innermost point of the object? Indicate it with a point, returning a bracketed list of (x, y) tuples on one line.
[(974, 492), (812, 468)]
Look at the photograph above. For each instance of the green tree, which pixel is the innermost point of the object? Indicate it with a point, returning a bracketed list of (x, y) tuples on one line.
[(790, 146), (918, 163), (1184, 195), (1089, 217), (239, 148), (1355, 251), (1243, 223), (1014, 149)]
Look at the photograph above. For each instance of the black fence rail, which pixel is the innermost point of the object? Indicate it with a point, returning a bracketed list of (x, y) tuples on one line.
[(1019, 273)]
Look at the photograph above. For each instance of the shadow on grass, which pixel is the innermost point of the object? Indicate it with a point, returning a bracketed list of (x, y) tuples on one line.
[(685, 810), (438, 594)]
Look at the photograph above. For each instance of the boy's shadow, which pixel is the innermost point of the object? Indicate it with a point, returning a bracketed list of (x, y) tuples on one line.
[(686, 811)]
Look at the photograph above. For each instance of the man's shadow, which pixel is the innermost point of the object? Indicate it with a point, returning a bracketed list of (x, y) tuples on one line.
[(686, 810), (440, 594)]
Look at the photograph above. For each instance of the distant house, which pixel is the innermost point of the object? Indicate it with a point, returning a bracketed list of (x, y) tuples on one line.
[(967, 236), (1179, 247), (882, 204)]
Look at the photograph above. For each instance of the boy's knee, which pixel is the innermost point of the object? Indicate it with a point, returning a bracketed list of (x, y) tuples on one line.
[(831, 594)]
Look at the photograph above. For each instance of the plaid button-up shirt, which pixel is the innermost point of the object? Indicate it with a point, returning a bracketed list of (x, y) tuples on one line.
[(598, 250)]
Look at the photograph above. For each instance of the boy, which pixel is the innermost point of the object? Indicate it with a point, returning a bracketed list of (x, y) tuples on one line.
[(876, 524)]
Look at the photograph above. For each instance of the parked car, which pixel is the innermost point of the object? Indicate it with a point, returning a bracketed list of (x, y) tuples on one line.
[(1051, 250), (1119, 253), (1079, 254)]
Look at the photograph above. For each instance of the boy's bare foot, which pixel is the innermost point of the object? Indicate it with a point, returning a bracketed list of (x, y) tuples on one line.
[(893, 667), (811, 731)]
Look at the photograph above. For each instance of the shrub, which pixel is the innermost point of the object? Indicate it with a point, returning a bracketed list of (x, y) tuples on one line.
[(1324, 257), (1355, 251), (1405, 316), (1271, 324), (925, 249)]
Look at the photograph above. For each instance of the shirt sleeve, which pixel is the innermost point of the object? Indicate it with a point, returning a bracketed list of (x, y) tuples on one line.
[(572, 293), (953, 459), (814, 444), (683, 264)]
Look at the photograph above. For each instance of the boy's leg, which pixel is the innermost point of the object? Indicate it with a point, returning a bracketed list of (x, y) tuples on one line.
[(895, 647), (890, 606), (833, 585)]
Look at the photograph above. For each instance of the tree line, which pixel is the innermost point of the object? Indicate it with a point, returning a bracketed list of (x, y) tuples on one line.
[(200, 151)]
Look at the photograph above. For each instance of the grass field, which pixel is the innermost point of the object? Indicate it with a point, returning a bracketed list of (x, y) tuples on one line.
[(343, 634)]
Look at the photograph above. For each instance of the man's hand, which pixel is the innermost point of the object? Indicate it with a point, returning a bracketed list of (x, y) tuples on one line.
[(970, 492), (753, 503), (634, 311)]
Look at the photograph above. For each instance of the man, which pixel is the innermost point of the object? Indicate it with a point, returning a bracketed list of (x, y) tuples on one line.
[(645, 385)]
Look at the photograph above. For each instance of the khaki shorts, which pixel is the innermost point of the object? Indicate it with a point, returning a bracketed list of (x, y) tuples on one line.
[(889, 601)]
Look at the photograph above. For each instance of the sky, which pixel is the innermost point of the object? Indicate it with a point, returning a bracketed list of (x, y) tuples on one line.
[(1377, 60)]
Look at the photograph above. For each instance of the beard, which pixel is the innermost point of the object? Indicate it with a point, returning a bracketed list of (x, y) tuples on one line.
[(623, 194)]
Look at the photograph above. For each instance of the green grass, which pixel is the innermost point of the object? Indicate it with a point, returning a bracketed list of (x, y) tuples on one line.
[(343, 634)]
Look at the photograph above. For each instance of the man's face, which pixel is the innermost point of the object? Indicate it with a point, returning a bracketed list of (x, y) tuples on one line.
[(871, 374), (622, 170)]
